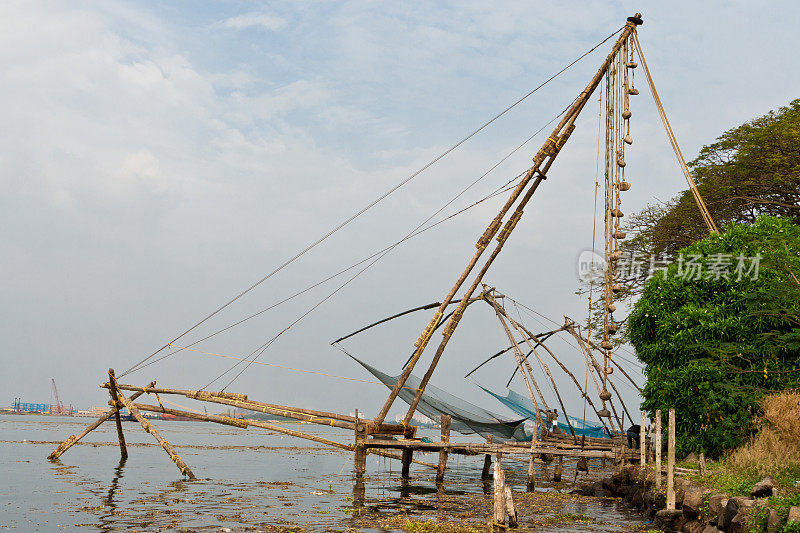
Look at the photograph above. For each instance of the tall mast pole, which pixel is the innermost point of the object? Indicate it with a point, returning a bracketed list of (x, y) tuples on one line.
[(535, 175)]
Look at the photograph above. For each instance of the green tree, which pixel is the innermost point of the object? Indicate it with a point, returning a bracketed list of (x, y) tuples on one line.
[(715, 339)]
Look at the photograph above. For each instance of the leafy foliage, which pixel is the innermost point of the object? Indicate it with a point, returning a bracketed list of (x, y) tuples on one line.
[(715, 344)]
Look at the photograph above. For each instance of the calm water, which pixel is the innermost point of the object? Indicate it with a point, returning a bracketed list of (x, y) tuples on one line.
[(249, 480)]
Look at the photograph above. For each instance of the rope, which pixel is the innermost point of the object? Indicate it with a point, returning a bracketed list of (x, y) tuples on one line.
[(260, 350), (594, 247), (372, 204), (712, 228), (507, 186), (240, 358)]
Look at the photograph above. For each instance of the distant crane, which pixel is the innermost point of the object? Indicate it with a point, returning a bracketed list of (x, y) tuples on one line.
[(58, 409)]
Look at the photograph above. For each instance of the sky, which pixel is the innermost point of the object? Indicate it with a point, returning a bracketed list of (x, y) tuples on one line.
[(160, 157)]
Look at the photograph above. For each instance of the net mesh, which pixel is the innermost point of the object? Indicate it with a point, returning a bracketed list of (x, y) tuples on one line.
[(524, 407), (466, 417)]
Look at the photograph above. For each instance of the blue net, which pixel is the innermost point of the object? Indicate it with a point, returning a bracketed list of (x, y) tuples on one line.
[(466, 418), (524, 407)]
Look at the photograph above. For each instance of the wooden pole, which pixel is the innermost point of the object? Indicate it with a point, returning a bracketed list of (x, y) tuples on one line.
[(113, 392), (527, 335), (408, 456), (531, 486), (701, 464), (558, 471), (657, 449), (549, 150), (241, 401), (73, 439), (671, 461), (500, 511), (487, 461), (360, 461), (148, 427), (443, 451), (511, 510), (642, 443)]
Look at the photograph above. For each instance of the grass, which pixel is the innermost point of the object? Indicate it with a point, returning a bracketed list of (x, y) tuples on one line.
[(773, 451)]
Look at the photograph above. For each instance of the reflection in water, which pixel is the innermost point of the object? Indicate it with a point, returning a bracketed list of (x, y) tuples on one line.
[(109, 505)]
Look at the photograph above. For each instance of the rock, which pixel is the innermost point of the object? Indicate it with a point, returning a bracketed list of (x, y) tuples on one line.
[(691, 458), (679, 495), (735, 514), (773, 521), (763, 488), (692, 526), (716, 504), (692, 502), (598, 489), (637, 500), (669, 519), (794, 514), (710, 529), (727, 515)]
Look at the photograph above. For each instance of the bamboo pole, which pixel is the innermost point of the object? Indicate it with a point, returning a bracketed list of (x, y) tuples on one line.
[(550, 149), (657, 449), (487, 461), (184, 469), (73, 439), (297, 413), (520, 328), (500, 513), (531, 485), (642, 444), (443, 452), (360, 460), (525, 377), (671, 461), (123, 450)]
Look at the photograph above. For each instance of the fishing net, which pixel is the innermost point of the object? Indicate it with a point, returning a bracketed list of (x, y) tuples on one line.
[(524, 407), (466, 418)]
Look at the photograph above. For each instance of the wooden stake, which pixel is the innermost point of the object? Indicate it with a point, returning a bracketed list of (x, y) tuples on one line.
[(123, 450), (360, 461), (408, 456), (511, 511), (500, 511), (531, 486), (642, 443), (73, 439), (559, 469), (487, 461), (671, 461), (148, 427), (657, 448), (701, 464), (443, 451)]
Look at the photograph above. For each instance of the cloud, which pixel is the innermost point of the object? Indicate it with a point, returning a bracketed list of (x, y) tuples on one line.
[(264, 21)]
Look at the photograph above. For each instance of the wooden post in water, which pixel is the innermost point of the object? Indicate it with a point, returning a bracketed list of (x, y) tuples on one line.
[(360, 460), (500, 511), (443, 451), (559, 469), (511, 510), (487, 461), (148, 427), (123, 450), (408, 455), (657, 447), (531, 467), (671, 461), (73, 439)]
